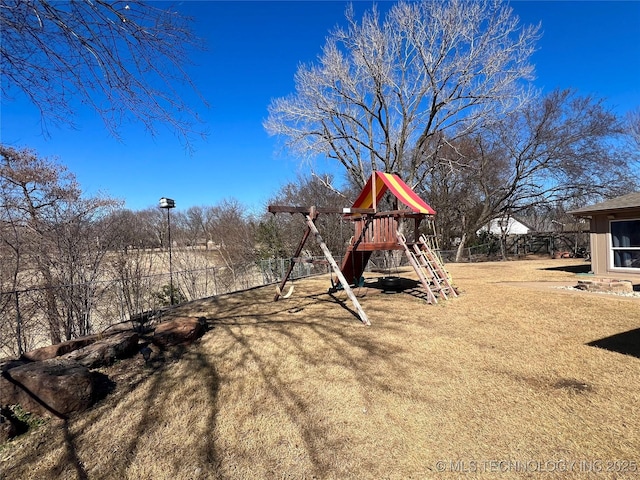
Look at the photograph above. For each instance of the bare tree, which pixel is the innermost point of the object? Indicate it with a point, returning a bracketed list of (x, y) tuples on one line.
[(233, 231), (152, 223), (77, 242), (120, 58), (385, 95), (133, 268), (30, 188), (56, 229), (133, 259), (193, 225), (133, 230), (12, 264), (563, 148), (460, 195)]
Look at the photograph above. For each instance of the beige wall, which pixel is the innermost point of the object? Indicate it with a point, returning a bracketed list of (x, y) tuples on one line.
[(600, 243)]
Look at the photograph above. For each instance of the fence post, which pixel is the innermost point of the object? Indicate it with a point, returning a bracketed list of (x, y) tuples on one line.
[(18, 325), (121, 296)]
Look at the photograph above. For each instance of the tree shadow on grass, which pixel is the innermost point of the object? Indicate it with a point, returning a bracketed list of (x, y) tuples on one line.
[(129, 410), (585, 268), (340, 349), (162, 390), (72, 457), (315, 334), (243, 346), (627, 343)]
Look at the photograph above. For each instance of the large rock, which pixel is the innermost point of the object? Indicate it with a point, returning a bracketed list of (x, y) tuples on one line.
[(59, 349), (105, 351), (12, 363), (180, 330), (125, 326), (51, 387), (140, 323)]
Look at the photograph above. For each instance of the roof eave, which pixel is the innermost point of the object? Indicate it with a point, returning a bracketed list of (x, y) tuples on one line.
[(604, 211)]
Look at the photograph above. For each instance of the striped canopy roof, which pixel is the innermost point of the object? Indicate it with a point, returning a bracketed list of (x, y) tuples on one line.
[(389, 181)]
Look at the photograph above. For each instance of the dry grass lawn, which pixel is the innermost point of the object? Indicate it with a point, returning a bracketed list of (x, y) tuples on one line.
[(499, 382)]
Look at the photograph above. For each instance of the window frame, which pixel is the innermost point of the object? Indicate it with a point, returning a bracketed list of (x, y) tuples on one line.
[(613, 249)]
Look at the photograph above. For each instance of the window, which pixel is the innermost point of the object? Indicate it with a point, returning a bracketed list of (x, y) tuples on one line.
[(625, 243)]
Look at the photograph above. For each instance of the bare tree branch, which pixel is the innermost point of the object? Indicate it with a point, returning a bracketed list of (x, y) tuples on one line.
[(121, 59)]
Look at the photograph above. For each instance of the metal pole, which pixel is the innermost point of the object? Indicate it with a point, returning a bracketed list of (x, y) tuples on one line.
[(169, 203), (170, 259)]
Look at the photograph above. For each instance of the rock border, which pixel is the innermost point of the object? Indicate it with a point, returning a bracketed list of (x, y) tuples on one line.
[(58, 380)]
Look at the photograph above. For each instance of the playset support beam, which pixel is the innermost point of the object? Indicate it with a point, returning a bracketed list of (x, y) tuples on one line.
[(336, 269), (303, 240)]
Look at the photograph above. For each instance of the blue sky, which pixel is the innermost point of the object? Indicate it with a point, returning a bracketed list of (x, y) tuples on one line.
[(254, 49)]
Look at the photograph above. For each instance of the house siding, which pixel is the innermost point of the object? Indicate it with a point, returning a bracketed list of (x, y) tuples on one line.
[(601, 245)]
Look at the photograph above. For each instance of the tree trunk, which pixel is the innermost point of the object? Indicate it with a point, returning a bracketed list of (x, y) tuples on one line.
[(503, 247), (460, 250)]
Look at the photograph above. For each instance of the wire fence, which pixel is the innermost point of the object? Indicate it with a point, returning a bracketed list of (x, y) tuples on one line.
[(518, 246), (28, 315), (475, 253)]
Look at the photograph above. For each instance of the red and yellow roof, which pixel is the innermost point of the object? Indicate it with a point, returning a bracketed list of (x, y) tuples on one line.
[(389, 181)]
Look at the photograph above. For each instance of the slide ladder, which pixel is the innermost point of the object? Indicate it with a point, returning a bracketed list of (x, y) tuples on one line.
[(429, 268), (436, 261)]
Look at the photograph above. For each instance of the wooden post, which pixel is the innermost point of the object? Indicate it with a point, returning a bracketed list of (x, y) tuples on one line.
[(336, 269), (374, 192)]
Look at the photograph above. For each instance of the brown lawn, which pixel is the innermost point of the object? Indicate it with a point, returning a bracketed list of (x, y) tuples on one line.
[(499, 382)]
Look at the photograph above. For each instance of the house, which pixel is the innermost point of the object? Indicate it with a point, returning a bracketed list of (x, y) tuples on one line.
[(507, 226), (614, 235)]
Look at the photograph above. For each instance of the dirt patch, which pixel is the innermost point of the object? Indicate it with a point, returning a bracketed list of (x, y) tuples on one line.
[(572, 385)]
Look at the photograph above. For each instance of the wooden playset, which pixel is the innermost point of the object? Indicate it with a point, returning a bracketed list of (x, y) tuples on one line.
[(377, 230)]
